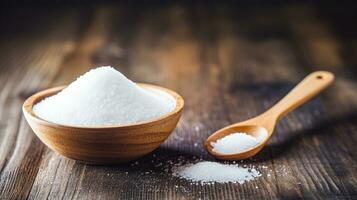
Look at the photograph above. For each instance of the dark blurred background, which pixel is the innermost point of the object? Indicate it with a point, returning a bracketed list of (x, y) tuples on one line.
[(322, 22)]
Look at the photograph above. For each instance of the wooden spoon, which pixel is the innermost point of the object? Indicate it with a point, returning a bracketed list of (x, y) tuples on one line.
[(263, 125)]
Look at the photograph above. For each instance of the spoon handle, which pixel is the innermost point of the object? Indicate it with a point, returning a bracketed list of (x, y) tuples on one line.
[(306, 89)]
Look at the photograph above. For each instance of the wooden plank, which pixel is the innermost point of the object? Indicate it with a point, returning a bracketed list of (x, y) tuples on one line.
[(339, 101), (178, 60), (29, 64), (65, 175), (256, 75), (278, 57)]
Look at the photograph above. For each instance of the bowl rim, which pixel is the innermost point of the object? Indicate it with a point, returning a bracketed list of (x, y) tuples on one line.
[(35, 98)]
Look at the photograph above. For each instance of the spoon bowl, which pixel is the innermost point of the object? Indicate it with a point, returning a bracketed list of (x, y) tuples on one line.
[(103, 144), (262, 126), (249, 128)]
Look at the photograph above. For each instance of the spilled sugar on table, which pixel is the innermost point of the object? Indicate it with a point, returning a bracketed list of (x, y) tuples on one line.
[(228, 65)]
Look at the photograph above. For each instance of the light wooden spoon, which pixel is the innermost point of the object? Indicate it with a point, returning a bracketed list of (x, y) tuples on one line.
[(262, 126)]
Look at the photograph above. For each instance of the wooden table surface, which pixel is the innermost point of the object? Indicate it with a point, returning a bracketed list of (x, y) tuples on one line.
[(229, 63)]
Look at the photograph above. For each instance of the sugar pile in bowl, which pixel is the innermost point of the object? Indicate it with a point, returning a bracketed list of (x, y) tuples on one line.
[(103, 97)]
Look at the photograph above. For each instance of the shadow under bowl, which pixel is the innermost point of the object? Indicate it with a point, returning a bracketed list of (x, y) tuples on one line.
[(103, 144)]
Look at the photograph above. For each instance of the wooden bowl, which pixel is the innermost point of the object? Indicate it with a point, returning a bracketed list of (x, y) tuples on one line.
[(103, 144)]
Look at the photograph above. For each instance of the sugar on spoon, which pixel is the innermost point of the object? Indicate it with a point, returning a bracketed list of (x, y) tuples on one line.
[(262, 126)]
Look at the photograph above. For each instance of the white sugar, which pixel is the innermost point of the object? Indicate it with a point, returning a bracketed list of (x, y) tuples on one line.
[(234, 143), (104, 96), (208, 172)]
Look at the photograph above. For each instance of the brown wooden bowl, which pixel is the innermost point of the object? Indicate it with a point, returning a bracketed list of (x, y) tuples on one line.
[(103, 144)]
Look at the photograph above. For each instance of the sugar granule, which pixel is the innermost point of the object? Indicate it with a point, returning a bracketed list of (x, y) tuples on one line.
[(234, 143), (206, 172), (104, 96)]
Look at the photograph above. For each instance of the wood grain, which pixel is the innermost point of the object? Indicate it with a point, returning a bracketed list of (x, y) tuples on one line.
[(229, 62), (20, 151)]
